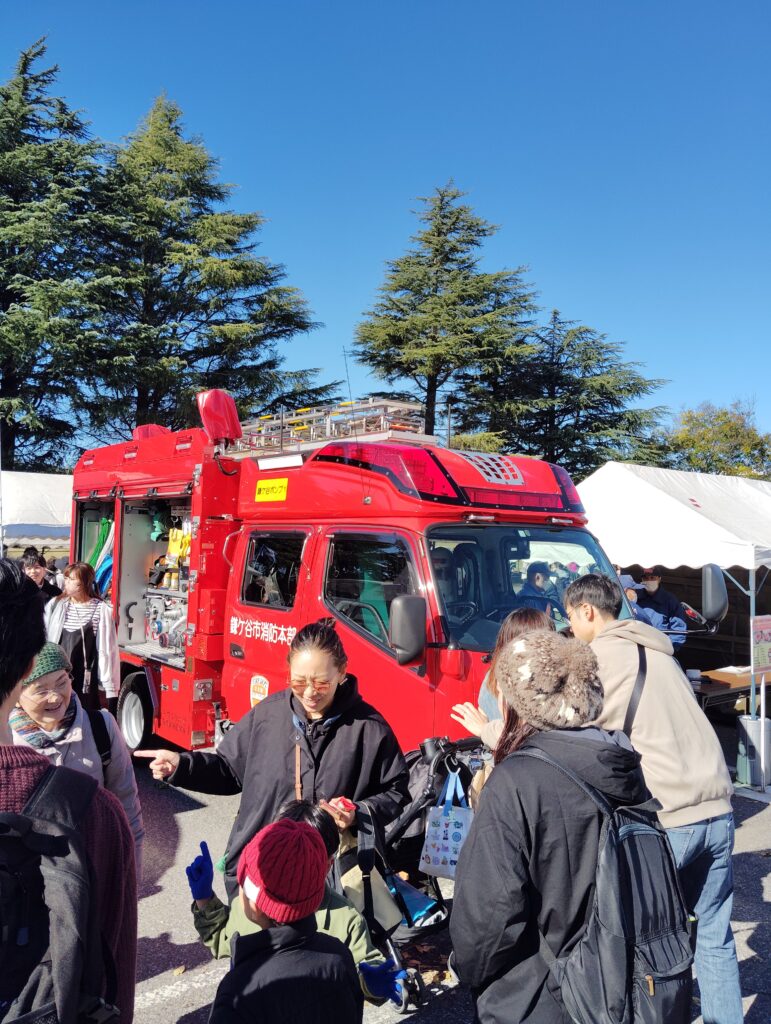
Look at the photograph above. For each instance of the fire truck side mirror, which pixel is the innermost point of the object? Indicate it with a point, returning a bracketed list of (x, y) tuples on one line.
[(714, 594), (407, 632), (219, 416)]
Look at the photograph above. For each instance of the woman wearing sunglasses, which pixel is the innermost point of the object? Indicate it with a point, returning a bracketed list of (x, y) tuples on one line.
[(317, 740)]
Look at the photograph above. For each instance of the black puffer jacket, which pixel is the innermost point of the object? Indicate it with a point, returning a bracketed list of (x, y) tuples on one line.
[(528, 864), (350, 752), (289, 973)]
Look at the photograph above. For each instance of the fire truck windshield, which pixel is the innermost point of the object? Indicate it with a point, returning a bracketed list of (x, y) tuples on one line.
[(484, 571)]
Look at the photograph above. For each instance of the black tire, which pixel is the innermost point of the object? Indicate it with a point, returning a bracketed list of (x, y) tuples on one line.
[(135, 711)]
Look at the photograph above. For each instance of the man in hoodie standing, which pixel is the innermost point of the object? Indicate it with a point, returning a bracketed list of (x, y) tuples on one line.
[(684, 769)]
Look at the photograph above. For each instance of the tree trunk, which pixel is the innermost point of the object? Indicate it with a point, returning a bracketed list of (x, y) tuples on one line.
[(431, 389)]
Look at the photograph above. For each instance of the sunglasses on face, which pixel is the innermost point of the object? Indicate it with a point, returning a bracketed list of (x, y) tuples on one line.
[(301, 686)]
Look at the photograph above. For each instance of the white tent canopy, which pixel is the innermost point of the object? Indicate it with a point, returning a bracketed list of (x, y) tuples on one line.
[(35, 499), (647, 516)]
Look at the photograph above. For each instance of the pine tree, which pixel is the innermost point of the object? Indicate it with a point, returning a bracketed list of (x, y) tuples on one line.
[(437, 311), (184, 302), (565, 395), (47, 169)]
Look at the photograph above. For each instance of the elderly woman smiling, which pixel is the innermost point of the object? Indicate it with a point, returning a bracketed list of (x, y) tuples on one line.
[(50, 718)]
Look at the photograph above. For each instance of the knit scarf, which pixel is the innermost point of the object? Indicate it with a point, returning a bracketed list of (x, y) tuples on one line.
[(33, 735)]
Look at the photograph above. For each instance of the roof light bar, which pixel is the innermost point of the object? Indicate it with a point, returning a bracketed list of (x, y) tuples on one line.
[(523, 501), (570, 495), (414, 471)]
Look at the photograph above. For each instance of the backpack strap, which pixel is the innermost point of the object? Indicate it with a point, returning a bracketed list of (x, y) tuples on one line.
[(62, 796), (639, 683), (365, 856), (594, 795), (101, 736)]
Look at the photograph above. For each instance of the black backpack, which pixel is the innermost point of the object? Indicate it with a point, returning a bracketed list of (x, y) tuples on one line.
[(55, 967), (632, 964)]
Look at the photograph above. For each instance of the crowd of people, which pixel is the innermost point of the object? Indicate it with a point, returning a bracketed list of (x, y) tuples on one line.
[(604, 705)]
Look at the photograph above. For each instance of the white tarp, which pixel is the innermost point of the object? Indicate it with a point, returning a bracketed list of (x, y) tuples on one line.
[(651, 516), (39, 499)]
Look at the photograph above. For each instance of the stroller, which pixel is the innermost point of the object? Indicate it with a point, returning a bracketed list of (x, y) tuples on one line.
[(380, 874)]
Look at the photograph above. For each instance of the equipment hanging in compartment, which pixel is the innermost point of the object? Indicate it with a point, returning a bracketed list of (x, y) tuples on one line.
[(165, 620)]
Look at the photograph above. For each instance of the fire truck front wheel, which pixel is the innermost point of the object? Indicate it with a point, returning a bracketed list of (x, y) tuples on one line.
[(135, 711)]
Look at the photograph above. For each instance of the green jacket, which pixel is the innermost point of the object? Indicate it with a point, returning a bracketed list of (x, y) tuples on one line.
[(217, 924)]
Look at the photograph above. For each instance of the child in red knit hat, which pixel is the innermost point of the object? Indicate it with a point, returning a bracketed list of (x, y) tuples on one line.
[(289, 970)]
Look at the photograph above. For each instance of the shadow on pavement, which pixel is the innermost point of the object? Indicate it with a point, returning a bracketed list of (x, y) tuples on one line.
[(199, 1016), (159, 954), (161, 803)]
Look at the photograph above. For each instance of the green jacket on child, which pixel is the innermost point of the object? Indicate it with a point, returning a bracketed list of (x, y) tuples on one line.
[(217, 924)]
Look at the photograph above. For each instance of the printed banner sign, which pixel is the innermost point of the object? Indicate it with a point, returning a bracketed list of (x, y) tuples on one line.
[(760, 630)]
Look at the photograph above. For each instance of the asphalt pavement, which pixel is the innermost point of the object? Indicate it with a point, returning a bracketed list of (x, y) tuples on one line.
[(177, 978)]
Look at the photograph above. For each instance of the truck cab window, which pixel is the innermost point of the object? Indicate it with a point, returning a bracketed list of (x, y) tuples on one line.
[(365, 572), (481, 573), (271, 569)]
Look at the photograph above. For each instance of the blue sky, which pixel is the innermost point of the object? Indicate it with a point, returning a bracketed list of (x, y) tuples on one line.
[(623, 148)]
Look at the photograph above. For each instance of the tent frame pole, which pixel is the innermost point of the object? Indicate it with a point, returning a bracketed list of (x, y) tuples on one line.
[(753, 597), (751, 592)]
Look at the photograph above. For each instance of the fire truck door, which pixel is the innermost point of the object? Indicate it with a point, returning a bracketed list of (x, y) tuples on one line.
[(265, 610), (357, 574)]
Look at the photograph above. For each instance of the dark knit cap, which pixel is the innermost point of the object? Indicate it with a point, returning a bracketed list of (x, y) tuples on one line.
[(550, 681), (283, 870)]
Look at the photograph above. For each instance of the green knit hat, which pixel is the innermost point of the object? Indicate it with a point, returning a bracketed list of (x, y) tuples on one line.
[(50, 659)]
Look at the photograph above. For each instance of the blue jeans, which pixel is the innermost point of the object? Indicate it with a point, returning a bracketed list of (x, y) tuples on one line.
[(703, 854)]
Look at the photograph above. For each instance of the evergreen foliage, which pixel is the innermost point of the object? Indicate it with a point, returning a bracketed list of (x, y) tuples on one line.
[(47, 174), (184, 302), (714, 439), (563, 394), (437, 311)]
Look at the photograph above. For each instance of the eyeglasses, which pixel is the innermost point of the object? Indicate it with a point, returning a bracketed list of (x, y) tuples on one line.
[(38, 694), (318, 687)]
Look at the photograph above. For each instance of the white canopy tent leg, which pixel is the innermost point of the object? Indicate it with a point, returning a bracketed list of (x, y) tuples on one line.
[(763, 751)]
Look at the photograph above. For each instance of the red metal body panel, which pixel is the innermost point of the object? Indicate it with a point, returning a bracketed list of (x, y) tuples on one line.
[(235, 653)]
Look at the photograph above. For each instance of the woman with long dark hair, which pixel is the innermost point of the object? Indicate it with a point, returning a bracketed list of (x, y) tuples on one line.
[(82, 624), (486, 719), (316, 740), (528, 866)]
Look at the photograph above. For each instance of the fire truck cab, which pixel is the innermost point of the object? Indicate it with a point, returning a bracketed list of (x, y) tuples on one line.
[(217, 545)]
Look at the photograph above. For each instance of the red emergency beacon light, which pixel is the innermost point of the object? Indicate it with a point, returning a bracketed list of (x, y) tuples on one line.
[(219, 416)]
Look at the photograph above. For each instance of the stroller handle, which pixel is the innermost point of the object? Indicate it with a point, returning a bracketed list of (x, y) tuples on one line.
[(445, 747)]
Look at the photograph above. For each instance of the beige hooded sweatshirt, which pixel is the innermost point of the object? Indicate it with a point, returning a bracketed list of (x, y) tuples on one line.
[(681, 758)]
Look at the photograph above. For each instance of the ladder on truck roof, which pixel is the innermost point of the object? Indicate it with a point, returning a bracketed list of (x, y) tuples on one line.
[(305, 429)]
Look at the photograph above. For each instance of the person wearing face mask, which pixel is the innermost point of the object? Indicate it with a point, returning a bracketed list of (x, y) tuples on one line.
[(656, 599), (316, 740), (49, 718)]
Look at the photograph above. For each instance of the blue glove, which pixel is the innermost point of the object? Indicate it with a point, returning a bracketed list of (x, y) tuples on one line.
[(383, 980), (200, 875)]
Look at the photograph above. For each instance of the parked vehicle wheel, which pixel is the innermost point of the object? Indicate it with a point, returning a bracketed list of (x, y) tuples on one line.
[(135, 711)]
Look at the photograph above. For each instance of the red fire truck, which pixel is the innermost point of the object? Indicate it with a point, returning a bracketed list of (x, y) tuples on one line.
[(218, 544)]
